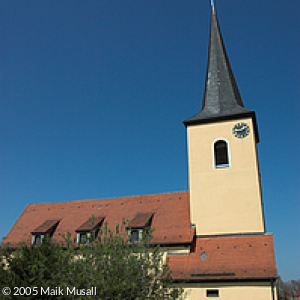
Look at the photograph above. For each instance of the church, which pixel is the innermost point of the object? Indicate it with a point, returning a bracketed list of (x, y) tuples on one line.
[(215, 232)]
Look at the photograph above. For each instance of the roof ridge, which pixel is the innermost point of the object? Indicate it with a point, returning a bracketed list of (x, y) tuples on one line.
[(103, 199)]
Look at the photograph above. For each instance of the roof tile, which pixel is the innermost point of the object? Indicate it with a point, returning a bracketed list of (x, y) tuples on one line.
[(227, 258), (46, 226), (168, 209), (90, 224), (140, 220)]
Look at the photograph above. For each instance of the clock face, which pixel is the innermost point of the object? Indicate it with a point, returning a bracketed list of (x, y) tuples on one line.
[(240, 130)]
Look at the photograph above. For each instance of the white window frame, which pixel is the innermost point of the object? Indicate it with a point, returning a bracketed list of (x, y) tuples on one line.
[(213, 154), (140, 230), (34, 236), (88, 236)]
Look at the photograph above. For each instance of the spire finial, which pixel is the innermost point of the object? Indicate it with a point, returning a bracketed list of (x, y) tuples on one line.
[(221, 97), (212, 5)]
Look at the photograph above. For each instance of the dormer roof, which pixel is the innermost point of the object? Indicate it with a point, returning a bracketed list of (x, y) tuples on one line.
[(90, 224), (46, 227), (140, 220)]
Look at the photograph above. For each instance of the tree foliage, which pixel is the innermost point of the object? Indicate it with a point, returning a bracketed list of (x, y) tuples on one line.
[(32, 266), (288, 290), (119, 269)]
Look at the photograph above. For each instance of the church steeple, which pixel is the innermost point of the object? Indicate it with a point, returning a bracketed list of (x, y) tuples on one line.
[(224, 178), (221, 99)]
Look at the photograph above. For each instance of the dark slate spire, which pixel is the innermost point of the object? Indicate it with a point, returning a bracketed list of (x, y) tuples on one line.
[(221, 99)]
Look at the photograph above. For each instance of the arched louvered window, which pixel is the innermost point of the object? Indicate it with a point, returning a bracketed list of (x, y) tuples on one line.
[(221, 154)]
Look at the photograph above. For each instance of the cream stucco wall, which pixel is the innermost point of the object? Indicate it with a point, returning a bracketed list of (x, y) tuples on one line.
[(224, 200), (231, 291), (179, 250)]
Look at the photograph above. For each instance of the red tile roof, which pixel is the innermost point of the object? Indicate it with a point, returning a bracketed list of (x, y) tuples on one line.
[(213, 258), (140, 220), (235, 257), (171, 219), (90, 224), (46, 226)]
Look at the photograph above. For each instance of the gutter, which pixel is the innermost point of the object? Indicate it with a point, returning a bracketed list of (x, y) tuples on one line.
[(272, 285), (213, 280)]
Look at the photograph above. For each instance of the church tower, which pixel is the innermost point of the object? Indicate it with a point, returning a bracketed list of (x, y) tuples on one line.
[(224, 178)]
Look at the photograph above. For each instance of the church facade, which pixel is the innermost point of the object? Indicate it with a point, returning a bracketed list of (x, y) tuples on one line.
[(215, 233)]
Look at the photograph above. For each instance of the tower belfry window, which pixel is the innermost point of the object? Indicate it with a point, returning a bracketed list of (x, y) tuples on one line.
[(221, 154)]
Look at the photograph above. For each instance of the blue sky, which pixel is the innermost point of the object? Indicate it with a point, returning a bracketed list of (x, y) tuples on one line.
[(93, 95)]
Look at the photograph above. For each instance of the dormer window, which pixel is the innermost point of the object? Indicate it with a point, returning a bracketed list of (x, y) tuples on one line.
[(139, 223), (37, 239), (48, 227), (135, 234), (221, 154), (84, 232), (83, 237)]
